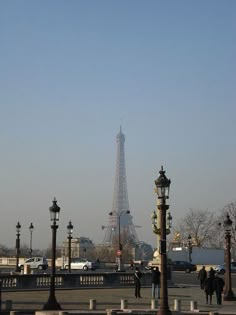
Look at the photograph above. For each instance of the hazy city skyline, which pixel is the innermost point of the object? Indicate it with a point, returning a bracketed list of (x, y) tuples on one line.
[(72, 72)]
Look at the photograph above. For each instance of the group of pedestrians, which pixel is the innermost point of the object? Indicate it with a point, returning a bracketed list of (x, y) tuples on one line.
[(210, 282), (155, 282)]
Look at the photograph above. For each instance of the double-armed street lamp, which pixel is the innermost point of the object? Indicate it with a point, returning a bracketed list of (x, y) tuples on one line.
[(69, 233), (190, 248), (31, 229), (52, 303), (120, 247), (162, 190), (18, 228), (228, 292)]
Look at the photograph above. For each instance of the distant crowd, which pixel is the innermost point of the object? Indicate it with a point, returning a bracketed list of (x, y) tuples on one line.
[(211, 283)]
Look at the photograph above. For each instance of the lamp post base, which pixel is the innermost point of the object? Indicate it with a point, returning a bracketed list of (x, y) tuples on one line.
[(229, 296), (165, 311), (52, 304)]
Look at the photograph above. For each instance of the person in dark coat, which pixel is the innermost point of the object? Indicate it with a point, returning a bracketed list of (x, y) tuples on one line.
[(202, 275), (218, 286), (137, 282), (156, 283), (209, 287)]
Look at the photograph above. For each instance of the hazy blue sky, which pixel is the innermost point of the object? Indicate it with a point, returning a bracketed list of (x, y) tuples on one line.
[(72, 71)]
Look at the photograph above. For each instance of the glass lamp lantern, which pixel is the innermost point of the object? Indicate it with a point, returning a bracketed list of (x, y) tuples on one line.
[(54, 211), (69, 229), (162, 185)]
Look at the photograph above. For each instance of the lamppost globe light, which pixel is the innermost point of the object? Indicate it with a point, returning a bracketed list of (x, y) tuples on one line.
[(162, 185), (54, 211), (70, 228), (31, 227), (227, 223), (154, 217), (18, 227)]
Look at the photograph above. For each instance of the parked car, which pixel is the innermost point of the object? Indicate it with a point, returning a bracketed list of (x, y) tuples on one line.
[(221, 268), (82, 264), (186, 266), (40, 263)]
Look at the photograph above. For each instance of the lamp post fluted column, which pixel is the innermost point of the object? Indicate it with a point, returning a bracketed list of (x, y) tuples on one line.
[(228, 292), (31, 229), (119, 251), (190, 248), (18, 227), (69, 232), (52, 303), (162, 190)]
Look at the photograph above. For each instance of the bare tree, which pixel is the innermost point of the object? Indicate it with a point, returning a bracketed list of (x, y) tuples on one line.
[(201, 224)]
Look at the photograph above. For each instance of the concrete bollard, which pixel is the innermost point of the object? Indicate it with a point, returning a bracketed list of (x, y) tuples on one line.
[(123, 304), (154, 304), (193, 305), (8, 305), (177, 305), (92, 304)]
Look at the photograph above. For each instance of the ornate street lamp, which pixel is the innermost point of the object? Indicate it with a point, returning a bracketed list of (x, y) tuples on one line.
[(162, 190), (120, 247), (190, 248), (52, 303), (228, 292), (69, 233), (18, 227), (31, 229)]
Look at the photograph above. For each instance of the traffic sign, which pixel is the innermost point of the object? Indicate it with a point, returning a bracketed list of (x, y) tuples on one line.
[(118, 252)]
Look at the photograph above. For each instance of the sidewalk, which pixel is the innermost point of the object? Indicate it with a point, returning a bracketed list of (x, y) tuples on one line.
[(111, 298)]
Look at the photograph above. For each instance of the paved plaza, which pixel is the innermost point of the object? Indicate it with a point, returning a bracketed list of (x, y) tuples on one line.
[(111, 298)]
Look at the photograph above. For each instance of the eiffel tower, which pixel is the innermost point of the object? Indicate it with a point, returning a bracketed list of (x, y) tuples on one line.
[(119, 219)]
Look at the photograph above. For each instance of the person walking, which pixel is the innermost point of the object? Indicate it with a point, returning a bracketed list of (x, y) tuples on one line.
[(218, 286), (137, 282), (156, 283), (202, 275), (209, 287)]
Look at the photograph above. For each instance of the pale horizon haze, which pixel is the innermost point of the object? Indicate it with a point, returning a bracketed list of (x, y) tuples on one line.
[(73, 72)]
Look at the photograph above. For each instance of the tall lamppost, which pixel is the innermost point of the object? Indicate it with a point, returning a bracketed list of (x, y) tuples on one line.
[(120, 247), (190, 248), (52, 303), (162, 190), (31, 229), (69, 233), (18, 227), (228, 292)]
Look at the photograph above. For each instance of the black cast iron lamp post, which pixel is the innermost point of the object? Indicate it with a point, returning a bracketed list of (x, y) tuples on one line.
[(69, 232), (190, 248), (52, 303), (228, 292), (18, 228), (120, 247), (31, 229), (162, 184)]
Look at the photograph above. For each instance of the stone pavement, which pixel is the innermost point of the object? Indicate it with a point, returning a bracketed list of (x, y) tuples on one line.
[(111, 298)]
